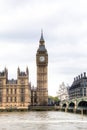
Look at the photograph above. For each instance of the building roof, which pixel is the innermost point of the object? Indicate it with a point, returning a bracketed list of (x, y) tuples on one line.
[(2, 73), (22, 74), (79, 81), (12, 81), (42, 48)]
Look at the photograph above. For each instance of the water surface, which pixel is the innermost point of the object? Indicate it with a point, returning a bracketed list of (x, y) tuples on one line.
[(47, 120)]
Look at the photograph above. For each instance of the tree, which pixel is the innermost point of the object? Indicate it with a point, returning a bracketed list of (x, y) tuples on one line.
[(54, 100)]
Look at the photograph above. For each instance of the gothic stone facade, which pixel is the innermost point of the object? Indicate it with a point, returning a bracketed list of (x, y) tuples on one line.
[(18, 94), (42, 69), (15, 94), (39, 95)]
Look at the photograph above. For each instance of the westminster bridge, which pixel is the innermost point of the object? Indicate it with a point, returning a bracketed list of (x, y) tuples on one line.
[(77, 104)]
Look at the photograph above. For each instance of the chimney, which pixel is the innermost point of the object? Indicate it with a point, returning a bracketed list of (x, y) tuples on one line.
[(81, 75), (77, 78), (84, 74), (74, 79)]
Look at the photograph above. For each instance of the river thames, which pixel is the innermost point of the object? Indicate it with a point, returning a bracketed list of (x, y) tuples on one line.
[(46, 120)]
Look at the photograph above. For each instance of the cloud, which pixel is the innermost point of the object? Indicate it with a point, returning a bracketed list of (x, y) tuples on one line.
[(65, 32)]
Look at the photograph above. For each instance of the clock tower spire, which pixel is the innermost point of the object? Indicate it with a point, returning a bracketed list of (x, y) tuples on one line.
[(42, 39), (42, 70)]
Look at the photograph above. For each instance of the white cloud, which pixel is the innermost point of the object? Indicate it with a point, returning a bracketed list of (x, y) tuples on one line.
[(65, 32)]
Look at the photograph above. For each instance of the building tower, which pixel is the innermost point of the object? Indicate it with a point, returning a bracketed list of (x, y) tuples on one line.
[(42, 79)]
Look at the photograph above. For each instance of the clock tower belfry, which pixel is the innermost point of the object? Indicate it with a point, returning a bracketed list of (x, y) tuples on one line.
[(42, 78)]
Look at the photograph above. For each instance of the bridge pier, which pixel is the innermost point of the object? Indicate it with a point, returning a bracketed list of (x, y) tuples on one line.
[(74, 110), (78, 105), (75, 107), (66, 109)]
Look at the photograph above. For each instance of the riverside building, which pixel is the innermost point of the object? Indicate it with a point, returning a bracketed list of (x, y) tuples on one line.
[(79, 87), (15, 94), (39, 95), (18, 93)]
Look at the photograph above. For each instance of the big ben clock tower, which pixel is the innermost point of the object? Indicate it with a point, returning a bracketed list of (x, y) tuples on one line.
[(42, 78)]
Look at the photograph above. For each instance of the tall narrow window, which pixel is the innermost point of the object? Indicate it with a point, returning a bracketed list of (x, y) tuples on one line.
[(22, 90), (11, 90), (7, 90), (15, 91), (15, 99), (7, 99), (22, 99), (0, 91), (84, 91), (0, 99), (11, 99), (81, 92)]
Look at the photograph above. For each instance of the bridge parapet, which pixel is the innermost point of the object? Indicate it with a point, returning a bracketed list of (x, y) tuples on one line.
[(74, 103)]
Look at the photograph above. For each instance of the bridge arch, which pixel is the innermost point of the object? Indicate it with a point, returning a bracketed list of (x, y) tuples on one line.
[(64, 105), (72, 104), (82, 104)]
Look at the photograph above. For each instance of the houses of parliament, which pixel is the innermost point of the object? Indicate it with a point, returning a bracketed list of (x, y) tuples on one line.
[(19, 94)]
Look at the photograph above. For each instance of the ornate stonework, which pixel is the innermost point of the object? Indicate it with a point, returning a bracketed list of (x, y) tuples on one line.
[(15, 94), (42, 81), (18, 94)]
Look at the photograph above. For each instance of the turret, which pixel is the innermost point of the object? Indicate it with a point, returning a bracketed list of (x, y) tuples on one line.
[(81, 76), (27, 71), (84, 74), (6, 72), (18, 71)]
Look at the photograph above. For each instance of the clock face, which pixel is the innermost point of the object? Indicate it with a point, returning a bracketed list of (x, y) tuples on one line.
[(42, 58)]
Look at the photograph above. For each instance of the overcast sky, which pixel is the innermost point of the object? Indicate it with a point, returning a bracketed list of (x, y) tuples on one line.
[(64, 24)]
